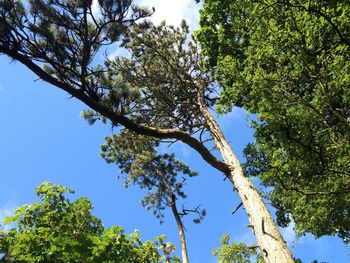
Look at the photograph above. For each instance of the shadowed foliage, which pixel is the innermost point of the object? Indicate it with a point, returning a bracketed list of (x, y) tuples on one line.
[(58, 230), (287, 62)]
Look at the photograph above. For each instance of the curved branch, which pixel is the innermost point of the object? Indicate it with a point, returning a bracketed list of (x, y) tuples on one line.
[(117, 118)]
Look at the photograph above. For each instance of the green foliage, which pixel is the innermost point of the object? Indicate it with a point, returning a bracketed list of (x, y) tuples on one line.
[(64, 35), (240, 252), (236, 252), (137, 157), (57, 230), (159, 89), (154, 84), (288, 61), (153, 87)]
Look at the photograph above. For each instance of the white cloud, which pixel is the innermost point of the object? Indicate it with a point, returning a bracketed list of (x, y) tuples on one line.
[(182, 150), (173, 11), (289, 234), (293, 240), (245, 237), (248, 237), (95, 8), (226, 120), (320, 247), (5, 211)]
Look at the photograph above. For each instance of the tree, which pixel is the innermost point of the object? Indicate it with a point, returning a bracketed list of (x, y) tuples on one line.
[(160, 90), (57, 230), (137, 157), (288, 62), (240, 252), (236, 252)]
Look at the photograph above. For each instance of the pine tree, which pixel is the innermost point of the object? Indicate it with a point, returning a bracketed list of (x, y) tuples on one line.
[(159, 90)]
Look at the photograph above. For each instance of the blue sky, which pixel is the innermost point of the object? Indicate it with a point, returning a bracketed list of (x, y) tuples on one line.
[(42, 137)]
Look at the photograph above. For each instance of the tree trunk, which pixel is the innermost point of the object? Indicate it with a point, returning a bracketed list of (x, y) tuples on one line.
[(181, 233), (176, 214), (269, 239)]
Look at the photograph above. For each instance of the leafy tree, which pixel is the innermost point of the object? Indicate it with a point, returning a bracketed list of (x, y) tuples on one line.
[(236, 252), (159, 90), (58, 230), (240, 252), (288, 62)]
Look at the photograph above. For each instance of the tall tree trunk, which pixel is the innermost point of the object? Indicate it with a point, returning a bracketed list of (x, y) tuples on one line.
[(177, 216), (181, 231), (269, 239)]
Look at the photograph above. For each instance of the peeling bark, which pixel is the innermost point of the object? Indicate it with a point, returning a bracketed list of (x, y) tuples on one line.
[(269, 239)]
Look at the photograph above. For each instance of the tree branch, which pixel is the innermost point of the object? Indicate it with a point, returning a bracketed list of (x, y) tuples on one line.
[(117, 118)]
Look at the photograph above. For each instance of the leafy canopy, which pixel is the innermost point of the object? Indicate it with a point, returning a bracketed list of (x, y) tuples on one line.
[(236, 252), (150, 92), (58, 230), (159, 90), (288, 63)]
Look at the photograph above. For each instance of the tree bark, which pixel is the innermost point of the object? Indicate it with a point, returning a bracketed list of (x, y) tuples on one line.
[(180, 227), (269, 239), (176, 214), (114, 117)]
